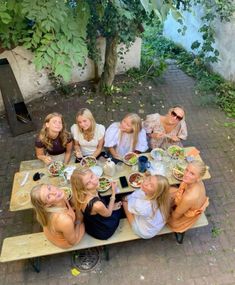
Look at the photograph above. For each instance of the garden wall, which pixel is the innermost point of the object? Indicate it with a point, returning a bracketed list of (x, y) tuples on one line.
[(33, 83), (224, 35)]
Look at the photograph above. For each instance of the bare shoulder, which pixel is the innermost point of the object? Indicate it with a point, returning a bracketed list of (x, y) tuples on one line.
[(61, 220), (98, 206)]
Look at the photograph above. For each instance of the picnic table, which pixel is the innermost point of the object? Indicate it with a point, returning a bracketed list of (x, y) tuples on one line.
[(20, 197)]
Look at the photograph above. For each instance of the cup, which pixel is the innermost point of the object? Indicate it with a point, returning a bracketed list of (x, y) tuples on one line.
[(143, 163)]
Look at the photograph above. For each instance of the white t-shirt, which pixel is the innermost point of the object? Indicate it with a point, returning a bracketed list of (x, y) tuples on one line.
[(88, 147), (147, 221), (112, 139)]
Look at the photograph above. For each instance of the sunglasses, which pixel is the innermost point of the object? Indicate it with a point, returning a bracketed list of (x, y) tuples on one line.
[(173, 114)]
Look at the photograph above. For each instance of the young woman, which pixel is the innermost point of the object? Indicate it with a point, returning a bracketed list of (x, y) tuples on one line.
[(166, 130), (189, 199), (53, 141), (100, 220), (147, 209), (54, 213), (87, 134), (126, 136)]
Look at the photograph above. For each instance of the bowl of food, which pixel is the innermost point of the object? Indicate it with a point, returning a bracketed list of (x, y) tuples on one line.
[(56, 168), (178, 171), (130, 158), (104, 184), (136, 179), (175, 151), (88, 161), (157, 153), (67, 191)]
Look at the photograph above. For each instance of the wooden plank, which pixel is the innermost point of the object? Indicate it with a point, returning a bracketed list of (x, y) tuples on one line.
[(36, 244)]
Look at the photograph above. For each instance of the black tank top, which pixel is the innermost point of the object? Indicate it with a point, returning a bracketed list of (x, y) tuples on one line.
[(98, 226)]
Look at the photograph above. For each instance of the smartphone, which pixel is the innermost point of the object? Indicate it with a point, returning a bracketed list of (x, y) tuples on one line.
[(123, 181)]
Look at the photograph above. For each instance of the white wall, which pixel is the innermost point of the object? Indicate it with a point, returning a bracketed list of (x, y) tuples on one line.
[(33, 83), (224, 35)]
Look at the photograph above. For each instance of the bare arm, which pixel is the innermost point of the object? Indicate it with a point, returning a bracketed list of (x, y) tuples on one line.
[(68, 152), (182, 208), (99, 147), (40, 154), (114, 153), (99, 207), (72, 233)]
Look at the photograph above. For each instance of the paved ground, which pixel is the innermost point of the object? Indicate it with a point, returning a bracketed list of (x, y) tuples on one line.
[(207, 255)]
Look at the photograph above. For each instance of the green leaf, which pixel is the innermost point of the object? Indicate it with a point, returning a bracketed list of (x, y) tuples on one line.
[(5, 17)]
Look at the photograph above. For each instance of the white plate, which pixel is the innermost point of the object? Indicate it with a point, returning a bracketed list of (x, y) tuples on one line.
[(97, 170)]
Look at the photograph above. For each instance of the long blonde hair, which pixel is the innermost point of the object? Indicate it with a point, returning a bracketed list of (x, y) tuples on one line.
[(44, 134), (89, 134), (78, 187), (136, 125), (162, 196), (43, 211)]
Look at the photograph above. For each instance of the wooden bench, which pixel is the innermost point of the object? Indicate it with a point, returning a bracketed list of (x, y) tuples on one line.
[(33, 246)]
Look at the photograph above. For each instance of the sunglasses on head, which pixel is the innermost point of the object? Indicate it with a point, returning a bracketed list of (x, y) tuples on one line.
[(173, 114)]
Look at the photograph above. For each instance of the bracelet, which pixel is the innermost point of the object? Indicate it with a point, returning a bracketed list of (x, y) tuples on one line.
[(112, 198)]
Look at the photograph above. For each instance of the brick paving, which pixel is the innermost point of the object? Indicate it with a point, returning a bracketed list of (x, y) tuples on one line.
[(207, 256)]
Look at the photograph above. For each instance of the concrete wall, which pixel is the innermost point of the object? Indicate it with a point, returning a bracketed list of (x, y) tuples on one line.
[(224, 35), (33, 83)]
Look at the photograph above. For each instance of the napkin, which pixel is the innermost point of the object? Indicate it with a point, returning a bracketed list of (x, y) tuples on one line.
[(193, 152)]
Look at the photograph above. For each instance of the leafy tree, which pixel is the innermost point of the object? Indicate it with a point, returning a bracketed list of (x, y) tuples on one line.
[(61, 33)]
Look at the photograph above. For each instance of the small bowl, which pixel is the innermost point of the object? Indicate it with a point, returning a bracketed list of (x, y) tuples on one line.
[(130, 158), (55, 168), (104, 184), (88, 161), (175, 151), (136, 179)]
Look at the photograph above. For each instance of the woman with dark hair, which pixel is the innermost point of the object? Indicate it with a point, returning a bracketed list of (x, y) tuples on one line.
[(166, 130)]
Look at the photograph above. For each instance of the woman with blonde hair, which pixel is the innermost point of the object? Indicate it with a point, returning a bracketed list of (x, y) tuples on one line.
[(166, 130), (126, 136), (87, 134), (53, 142), (101, 219), (54, 213), (147, 209), (190, 199)]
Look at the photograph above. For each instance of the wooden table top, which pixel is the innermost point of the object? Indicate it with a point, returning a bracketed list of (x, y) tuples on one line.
[(20, 196)]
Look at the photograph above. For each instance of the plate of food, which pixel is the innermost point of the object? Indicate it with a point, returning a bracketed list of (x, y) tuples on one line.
[(178, 171), (88, 161), (136, 179), (67, 191), (104, 184), (130, 158), (157, 153), (175, 151), (55, 168)]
